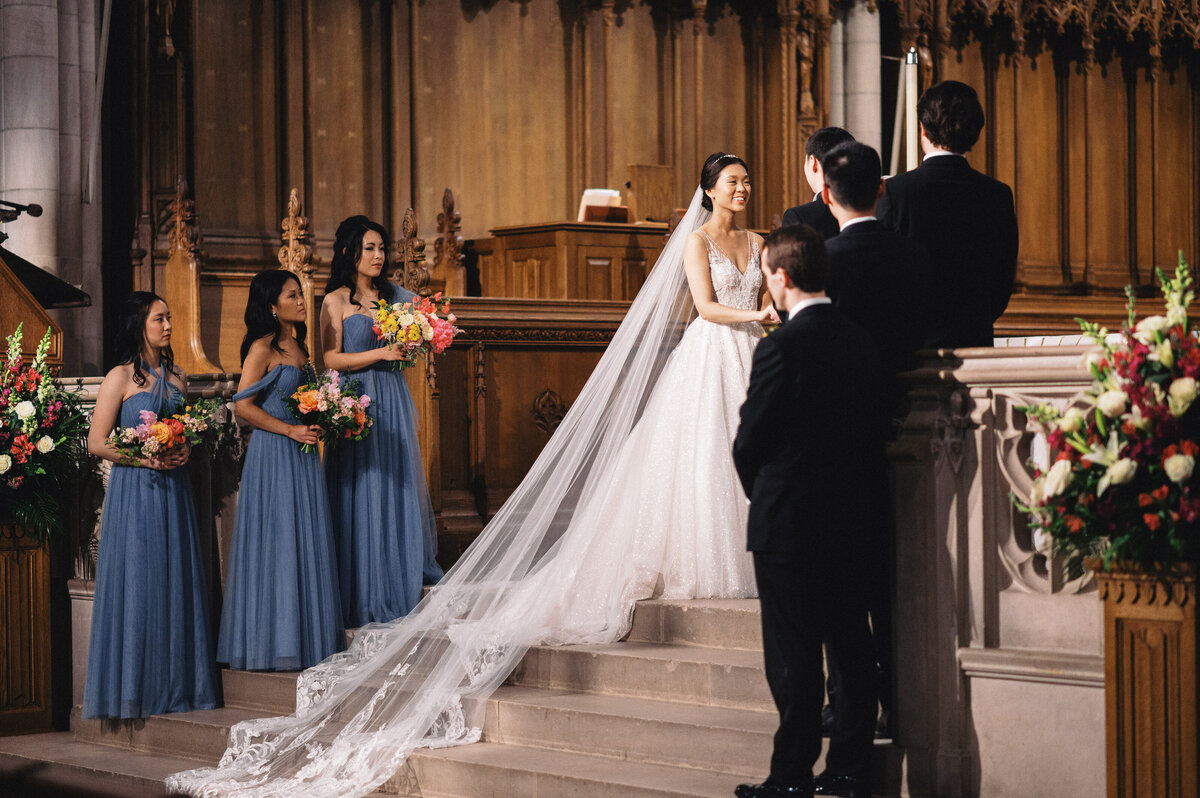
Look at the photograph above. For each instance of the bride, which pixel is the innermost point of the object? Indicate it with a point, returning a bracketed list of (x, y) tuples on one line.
[(634, 496)]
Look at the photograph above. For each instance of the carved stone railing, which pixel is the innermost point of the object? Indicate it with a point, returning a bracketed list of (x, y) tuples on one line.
[(998, 654)]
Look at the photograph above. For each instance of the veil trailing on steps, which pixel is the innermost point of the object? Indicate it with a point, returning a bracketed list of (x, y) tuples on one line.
[(422, 681)]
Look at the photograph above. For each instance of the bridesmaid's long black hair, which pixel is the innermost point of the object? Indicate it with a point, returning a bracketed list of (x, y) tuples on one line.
[(265, 289), (131, 334), (347, 249)]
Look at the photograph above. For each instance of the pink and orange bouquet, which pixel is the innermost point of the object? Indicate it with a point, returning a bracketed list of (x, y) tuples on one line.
[(156, 436), (422, 327), (334, 404)]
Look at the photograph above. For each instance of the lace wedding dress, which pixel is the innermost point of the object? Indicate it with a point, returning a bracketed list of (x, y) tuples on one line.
[(634, 496)]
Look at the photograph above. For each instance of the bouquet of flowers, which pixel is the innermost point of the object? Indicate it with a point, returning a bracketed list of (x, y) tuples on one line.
[(422, 327), (1121, 485), (155, 435), (336, 405), (42, 429)]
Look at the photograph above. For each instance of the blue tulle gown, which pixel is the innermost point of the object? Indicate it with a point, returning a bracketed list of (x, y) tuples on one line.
[(282, 610), (151, 647), (383, 518)]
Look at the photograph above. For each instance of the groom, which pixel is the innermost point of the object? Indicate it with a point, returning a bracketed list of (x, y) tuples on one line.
[(809, 452)]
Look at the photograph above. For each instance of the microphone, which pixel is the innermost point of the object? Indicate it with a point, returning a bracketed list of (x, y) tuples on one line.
[(33, 209)]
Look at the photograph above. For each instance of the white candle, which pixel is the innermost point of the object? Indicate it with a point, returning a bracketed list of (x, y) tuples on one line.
[(910, 108)]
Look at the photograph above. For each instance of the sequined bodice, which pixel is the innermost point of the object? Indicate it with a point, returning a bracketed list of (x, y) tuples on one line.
[(733, 288)]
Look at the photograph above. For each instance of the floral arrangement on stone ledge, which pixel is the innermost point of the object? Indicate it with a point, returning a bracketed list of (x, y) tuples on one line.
[(42, 430), (1122, 486)]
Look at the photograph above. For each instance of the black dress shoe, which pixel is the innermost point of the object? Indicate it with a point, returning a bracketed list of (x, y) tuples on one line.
[(845, 786), (771, 789)]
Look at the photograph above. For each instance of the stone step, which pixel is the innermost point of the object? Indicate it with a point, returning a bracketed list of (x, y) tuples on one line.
[(723, 739), (716, 623), (490, 770), (717, 677), (201, 735), (269, 692), (59, 766)]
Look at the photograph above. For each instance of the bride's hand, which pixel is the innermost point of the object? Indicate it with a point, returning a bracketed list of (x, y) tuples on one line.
[(768, 315)]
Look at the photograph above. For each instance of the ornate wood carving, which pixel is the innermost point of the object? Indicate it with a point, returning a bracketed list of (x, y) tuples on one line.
[(296, 256), (448, 248), (408, 253), (1150, 683), (181, 284), (548, 411)]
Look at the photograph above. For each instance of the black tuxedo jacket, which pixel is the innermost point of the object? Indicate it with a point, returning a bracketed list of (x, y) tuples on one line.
[(809, 450), (882, 280), (968, 223), (816, 214)]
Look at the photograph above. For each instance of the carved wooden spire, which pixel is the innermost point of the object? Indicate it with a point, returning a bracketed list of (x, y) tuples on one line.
[(448, 248), (408, 253), (296, 256), (181, 284)]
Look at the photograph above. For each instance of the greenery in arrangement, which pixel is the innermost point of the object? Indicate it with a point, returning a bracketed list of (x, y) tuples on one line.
[(1121, 486), (42, 431)]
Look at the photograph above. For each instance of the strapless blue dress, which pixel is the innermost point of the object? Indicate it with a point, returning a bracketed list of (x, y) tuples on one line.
[(382, 516), (282, 610), (151, 648)]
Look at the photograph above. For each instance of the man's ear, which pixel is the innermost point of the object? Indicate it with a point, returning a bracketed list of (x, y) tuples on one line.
[(811, 163), (826, 195), (879, 194)]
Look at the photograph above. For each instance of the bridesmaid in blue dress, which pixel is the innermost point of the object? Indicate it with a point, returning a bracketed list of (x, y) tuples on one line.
[(151, 646), (383, 518), (281, 597)]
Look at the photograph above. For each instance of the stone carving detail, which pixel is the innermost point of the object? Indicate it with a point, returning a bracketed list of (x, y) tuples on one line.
[(296, 256), (548, 411), (1017, 440), (950, 430), (408, 253)]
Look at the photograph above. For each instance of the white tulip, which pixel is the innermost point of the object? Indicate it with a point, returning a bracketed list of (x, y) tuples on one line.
[(1118, 473), (1071, 421), (1147, 327), (1057, 479)]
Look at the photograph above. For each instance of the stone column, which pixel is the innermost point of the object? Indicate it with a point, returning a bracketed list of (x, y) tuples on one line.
[(863, 78), (837, 69), (29, 124), (48, 58)]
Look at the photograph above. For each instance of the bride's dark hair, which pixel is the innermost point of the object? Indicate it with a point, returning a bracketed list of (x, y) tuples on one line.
[(347, 249), (712, 170), (131, 334), (265, 289)]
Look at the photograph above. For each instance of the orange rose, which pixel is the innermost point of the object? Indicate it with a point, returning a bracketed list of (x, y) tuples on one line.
[(161, 433), (309, 401), (176, 427)]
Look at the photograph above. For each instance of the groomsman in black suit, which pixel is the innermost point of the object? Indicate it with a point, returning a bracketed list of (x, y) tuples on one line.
[(877, 277), (809, 452), (964, 218), (816, 214)]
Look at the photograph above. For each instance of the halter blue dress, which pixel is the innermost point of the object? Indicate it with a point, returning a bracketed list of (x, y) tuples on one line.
[(281, 596), (383, 519), (151, 648)]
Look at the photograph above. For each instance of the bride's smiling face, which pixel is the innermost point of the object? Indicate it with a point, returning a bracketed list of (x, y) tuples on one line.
[(732, 189)]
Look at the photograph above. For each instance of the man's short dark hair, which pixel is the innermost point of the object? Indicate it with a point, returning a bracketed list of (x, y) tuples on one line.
[(951, 115), (824, 140), (852, 172), (800, 251)]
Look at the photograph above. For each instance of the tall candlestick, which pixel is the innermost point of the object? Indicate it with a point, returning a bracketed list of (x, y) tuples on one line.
[(910, 107)]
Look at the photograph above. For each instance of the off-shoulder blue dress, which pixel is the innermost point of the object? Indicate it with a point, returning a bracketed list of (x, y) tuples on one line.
[(382, 516), (282, 610), (151, 647)]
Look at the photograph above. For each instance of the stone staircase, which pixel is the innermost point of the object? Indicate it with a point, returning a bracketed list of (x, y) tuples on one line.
[(681, 708)]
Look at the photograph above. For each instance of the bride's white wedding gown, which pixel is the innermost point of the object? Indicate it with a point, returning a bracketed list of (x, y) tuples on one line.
[(634, 496), (670, 518)]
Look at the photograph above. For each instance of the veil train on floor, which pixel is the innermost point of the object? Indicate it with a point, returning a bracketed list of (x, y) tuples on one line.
[(424, 680)]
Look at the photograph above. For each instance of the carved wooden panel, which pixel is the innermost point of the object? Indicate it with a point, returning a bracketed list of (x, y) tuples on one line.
[(25, 699)]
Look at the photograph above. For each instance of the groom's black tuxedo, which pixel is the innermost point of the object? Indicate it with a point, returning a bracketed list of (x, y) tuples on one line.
[(809, 452), (967, 222), (815, 214)]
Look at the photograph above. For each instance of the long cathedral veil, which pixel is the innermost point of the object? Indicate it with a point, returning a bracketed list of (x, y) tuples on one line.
[(423, 680)]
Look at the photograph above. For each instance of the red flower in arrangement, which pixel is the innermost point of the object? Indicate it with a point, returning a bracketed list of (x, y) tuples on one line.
[(1122, 475), (21, 448)]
